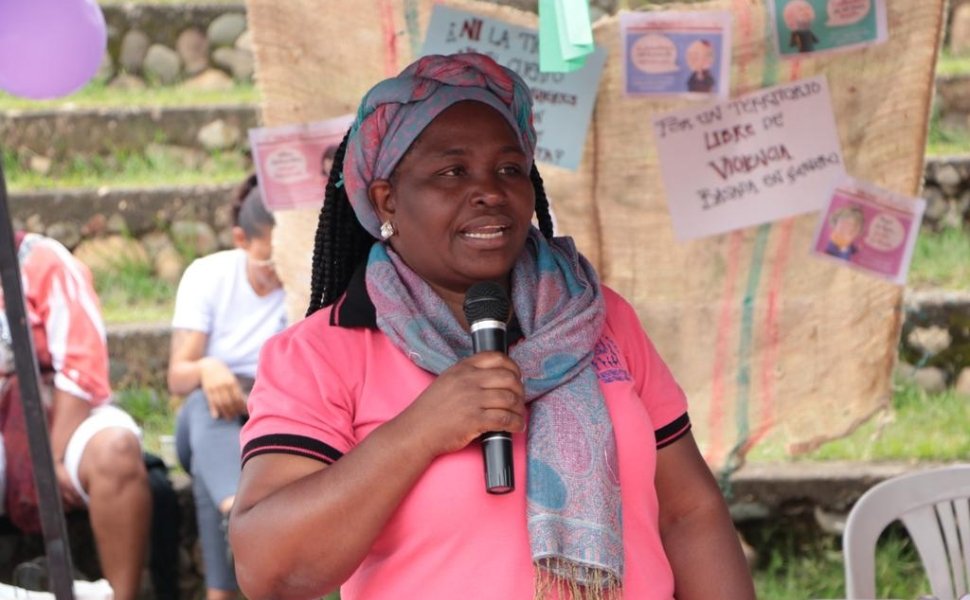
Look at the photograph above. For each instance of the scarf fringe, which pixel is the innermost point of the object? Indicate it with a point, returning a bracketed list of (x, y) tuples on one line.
[(565, 580)]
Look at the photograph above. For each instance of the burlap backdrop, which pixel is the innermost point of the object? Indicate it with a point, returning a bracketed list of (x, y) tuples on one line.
[(770, 344)]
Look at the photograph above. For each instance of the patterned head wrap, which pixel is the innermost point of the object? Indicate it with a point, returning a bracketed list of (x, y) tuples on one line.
[(395, 112)]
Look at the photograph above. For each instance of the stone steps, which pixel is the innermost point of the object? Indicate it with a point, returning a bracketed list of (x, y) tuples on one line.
[(62, 134), (70, 215)]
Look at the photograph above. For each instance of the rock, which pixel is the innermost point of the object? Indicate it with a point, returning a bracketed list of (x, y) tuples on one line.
[(65, 232), (948, 178), (929, 341), (210, 80), (225, 238), (904, 370), (962, 386), (104, 254), (193, 48), (35, 224), (245, 41), (169, 264), (134, 48), (932, 380), (194, 238), (960, 30), (126, 82), (238, 62), (117, 224), (225, 29), (163, 64), (218, 135), (40, 164), (95, 226), (829, 522), (155, 242), (936, 204)]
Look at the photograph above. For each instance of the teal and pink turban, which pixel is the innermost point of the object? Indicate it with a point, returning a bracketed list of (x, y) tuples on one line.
[(395, 112)]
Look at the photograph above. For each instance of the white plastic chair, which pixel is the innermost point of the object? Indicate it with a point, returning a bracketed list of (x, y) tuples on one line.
[(934, 506)]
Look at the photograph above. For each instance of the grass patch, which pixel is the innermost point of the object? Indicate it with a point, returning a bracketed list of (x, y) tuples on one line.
[(811, 566), (919, 427), (941, 260), (131, 293), (945, 140), (100, 95), (152, 411), (949, 64), (126, 169)]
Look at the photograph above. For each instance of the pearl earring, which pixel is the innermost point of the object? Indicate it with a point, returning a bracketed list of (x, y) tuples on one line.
[(387, 230)]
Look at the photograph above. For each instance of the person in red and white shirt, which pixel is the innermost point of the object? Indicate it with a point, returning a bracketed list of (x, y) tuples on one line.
[(96, 446)]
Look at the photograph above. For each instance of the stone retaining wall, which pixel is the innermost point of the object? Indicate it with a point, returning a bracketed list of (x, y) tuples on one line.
[(201, 46), (934, 347), (186, 134), (946, 187)]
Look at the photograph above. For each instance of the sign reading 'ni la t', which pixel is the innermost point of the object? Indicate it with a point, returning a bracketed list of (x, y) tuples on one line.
[(761, 157), (563, 102)]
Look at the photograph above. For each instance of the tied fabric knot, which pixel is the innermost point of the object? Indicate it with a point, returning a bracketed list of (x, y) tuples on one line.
[(573, 491)]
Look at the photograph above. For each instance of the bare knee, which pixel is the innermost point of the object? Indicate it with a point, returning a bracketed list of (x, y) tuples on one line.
[(113, 460)]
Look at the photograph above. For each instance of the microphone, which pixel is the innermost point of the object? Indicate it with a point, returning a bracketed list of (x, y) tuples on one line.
[(487, 309)]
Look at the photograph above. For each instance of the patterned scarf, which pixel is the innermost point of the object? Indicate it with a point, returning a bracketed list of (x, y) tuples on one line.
[(573, 488)]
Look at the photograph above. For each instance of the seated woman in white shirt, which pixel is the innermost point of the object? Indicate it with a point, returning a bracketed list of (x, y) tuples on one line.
[(228, 304)]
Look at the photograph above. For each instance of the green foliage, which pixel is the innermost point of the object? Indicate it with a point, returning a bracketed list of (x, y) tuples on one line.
[(941, 260), (810, 566), (151, 410), (128, 169), (98, 95), (130, 292), (949, 64)]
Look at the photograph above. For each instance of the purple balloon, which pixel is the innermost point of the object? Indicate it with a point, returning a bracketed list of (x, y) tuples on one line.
[(49, 48)]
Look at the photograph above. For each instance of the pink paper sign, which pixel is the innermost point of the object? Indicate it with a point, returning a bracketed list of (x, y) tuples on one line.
[(869, 229), (293, 161)]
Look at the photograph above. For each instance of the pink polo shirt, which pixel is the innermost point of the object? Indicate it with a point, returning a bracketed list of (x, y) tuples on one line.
[(322, 387)]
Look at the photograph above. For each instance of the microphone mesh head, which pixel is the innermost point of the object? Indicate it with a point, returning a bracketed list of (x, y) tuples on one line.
[(486, 300)]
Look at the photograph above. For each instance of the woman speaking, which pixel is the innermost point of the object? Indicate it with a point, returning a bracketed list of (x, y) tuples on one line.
[(360, 469)]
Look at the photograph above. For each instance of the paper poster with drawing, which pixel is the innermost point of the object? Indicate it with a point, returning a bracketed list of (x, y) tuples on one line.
[(870, 229), (676, 53), (293, 161), (813, 26), (761, 157), (562, 102)]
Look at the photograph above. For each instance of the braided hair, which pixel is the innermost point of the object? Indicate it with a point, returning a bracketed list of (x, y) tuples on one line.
[(342, 243)]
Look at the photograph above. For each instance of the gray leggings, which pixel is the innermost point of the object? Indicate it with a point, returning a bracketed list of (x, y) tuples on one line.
[(209, 450)]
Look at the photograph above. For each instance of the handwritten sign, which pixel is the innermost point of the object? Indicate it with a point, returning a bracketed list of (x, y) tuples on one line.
[(676, 53), (293, 161), (563, 101), (870, 229), (762, 157), (814, 26)]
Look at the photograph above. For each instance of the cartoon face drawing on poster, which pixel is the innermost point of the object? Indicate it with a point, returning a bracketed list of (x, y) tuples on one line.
[(799, 17), (700, 59), (847, 224)]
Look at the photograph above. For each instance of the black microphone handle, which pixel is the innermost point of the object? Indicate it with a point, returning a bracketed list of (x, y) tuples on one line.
[(489, 336)]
